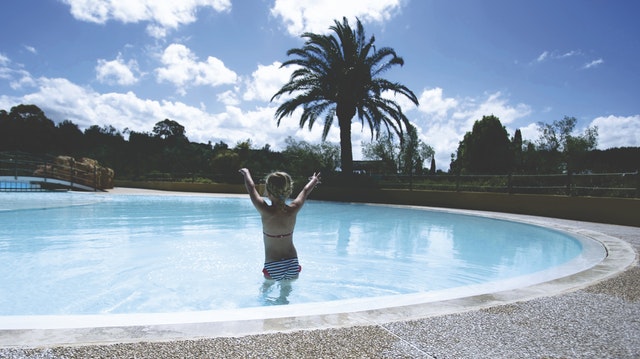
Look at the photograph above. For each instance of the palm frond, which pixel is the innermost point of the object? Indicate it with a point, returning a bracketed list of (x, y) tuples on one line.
[(312, 110)]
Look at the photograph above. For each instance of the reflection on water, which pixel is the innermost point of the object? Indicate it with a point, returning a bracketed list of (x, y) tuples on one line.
[(276, 292), (403, 250)]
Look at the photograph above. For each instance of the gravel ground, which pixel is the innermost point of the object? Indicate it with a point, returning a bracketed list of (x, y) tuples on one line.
[(599, 321)]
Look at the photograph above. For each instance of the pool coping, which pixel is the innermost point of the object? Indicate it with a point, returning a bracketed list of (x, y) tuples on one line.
[(179, 326)]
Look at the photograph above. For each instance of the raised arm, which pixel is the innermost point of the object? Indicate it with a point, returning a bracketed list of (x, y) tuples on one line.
[(302, 196), (256, 199)]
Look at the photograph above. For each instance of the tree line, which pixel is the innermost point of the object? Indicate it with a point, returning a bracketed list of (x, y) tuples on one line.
[(487, 149), (163, 153), (166, 153)]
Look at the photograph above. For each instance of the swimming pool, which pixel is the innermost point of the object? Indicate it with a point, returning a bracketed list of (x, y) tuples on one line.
[(18, 186), (93, 254)]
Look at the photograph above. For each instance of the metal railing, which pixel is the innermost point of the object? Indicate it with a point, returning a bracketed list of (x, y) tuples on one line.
[(26, 172), (625, 185)]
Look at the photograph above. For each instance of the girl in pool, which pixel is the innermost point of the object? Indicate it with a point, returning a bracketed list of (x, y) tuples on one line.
[(278, 221)]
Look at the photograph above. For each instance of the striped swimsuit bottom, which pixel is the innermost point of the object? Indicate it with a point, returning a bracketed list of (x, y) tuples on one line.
[(282, 269)]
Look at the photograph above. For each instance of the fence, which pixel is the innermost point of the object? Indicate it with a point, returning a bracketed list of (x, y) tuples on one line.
[(625, 185), (620, 185)]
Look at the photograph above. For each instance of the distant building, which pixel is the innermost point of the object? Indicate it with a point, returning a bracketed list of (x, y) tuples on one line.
[(376, 167)]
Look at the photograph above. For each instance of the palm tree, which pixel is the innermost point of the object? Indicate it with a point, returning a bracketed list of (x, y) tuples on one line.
[(338, 76)]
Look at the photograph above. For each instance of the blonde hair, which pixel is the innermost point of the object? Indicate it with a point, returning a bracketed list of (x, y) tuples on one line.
[(279, 185)]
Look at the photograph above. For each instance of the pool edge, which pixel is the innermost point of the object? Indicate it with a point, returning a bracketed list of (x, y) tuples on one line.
[(621, 256)]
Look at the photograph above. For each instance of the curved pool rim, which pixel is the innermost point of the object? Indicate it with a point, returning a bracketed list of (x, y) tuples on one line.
[(91, 329)]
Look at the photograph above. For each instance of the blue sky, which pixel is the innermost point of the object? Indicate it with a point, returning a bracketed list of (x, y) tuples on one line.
[(213, 65)]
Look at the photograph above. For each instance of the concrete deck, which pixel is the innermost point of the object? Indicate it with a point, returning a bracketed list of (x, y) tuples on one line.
[(591, 315)]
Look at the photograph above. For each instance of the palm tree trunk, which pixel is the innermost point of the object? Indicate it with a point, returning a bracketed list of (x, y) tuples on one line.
[(346, 152)]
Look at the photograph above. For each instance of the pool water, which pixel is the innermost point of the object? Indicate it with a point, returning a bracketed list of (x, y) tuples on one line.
[(92, 253)]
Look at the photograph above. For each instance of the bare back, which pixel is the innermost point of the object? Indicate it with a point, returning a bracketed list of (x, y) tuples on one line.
[(278, 224)]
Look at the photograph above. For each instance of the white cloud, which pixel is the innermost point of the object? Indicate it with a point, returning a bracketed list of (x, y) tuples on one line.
[(495, 104), (593, 64), (543, 56), (432, 102), (163, 15), (229, 98), (182, 68), (569, 54), (62, 100), (617, 131), (530, 132), (4, 60), (316, 16), (266, 81), (14, 73), (555, 55), (31, 49), (5, 70), (444, 137), (117, 71), (23, 80), (157, 31)]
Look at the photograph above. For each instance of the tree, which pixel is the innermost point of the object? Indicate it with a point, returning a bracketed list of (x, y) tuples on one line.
[(413, 152), (620, 159), (516, 143), (69, 138), (305, 158), (339, 76), (144, 153), (6, 130), (408, 156), (32, 130), (384, 149), (175, 146), (564, 147), (484, 150), (170, 131), (225, 164), (106, 145)]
